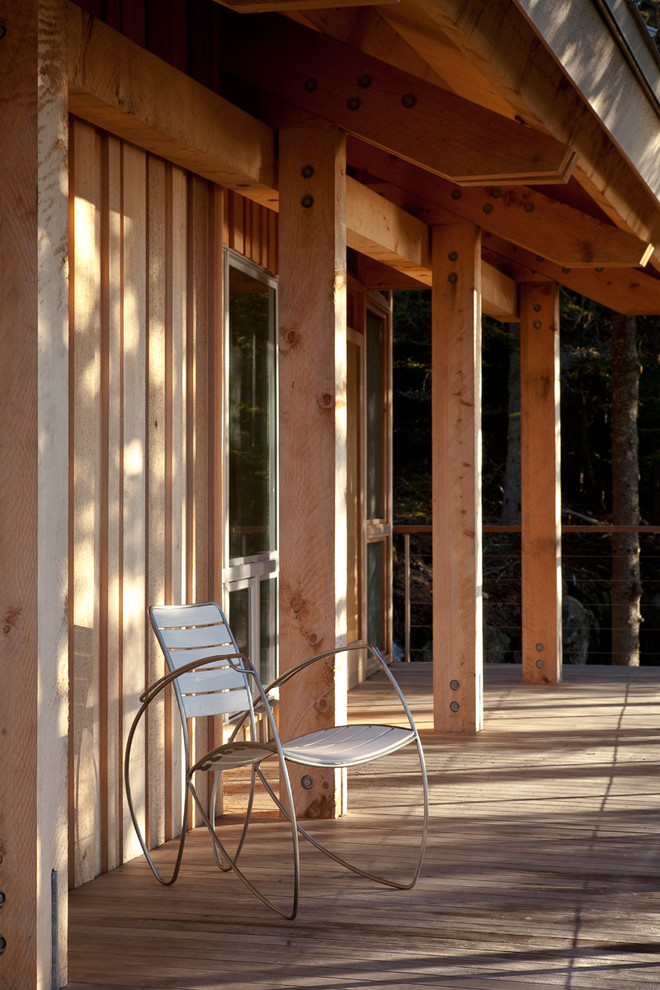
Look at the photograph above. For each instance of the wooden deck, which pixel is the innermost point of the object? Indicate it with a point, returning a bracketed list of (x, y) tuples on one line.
[(542, 870)]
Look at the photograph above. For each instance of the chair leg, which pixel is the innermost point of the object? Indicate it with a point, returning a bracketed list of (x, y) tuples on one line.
[(167, 882), (353, 867), (226, 868), (233, 860)]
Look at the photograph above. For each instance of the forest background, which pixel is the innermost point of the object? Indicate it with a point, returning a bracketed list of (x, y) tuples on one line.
[(590, 383), (610, 474)]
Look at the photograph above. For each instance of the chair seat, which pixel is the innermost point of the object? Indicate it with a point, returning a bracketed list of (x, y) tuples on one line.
[(346, 745), (235, 754)]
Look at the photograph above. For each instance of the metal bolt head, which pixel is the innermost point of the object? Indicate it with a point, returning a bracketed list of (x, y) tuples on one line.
[(307, 171), (453, 277), (408, 100), (537, 324), (307, 782), (454, 706), (488, 207), (540, 664), (307, 201), (354, 103), (453, 255), (311, 85), (364, 81), (456, 194), (539, 647), (454, 685), (528, 207)]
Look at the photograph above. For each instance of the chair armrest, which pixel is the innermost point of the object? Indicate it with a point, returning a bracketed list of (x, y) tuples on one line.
[(288, 674), (375, 652)]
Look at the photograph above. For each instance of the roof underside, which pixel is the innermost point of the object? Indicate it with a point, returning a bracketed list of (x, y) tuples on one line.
[(468, 109)]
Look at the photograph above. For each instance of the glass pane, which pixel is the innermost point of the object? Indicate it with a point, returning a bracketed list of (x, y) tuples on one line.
[(239, 618), (251, 415), (267, 627), (375, 409), (375, 604)]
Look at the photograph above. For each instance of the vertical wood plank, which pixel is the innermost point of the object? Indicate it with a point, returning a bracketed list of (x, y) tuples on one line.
[(133, 467), (52, 548), (178, 386), (85, 835), (112, 583), (216, 444), (176, 493), (456, 446), (198, 415), (156, 423), (312, 342), (541, 482)]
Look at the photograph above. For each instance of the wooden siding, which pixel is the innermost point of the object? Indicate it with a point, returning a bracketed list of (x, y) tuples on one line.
[(145, 467)]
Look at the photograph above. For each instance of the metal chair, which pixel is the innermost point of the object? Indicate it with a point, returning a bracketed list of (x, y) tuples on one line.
[(210, 676)]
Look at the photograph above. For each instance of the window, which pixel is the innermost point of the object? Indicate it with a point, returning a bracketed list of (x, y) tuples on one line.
[(251, 460), (368, 494)]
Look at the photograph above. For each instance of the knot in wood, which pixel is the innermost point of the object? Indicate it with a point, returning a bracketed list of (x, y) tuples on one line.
[(326, 400)]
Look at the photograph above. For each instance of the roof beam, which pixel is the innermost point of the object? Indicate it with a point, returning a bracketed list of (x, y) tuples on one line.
[(380, 230), (388, 107), (627, 290), (388, 235), (122, 88), (508, 51), (523, 216)]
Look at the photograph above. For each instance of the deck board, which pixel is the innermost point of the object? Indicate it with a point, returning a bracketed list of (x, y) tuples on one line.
[(542, 869)]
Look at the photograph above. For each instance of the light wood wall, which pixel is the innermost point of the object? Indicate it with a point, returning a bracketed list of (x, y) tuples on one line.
[(146, 471)]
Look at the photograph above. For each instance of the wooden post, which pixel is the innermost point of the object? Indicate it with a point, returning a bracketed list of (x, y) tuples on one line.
[(456, 413), (540, 477), (33, 495), (312, 354)]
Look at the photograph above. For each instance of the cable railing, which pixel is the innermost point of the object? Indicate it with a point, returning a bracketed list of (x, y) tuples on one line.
[(587, 593)]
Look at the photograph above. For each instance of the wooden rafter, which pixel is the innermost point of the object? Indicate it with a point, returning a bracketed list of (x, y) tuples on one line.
[(499, 41), (625, 290), (388, 107), (521, 215), (261, 6)]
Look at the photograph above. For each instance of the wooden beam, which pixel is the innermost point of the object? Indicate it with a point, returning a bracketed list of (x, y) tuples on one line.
[(262, 6), (456, 457), (33, 494), (312, 449), (386, 233), (523, 216), (541, 483), (388, 107), (499, 294), (625, 290), (119, 86), (511, 54)]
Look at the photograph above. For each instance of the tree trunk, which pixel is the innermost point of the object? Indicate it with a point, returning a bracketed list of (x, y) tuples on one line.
[(512, 495), (626, 580)]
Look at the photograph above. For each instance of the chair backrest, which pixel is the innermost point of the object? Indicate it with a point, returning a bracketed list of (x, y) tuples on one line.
[(198, 632)]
